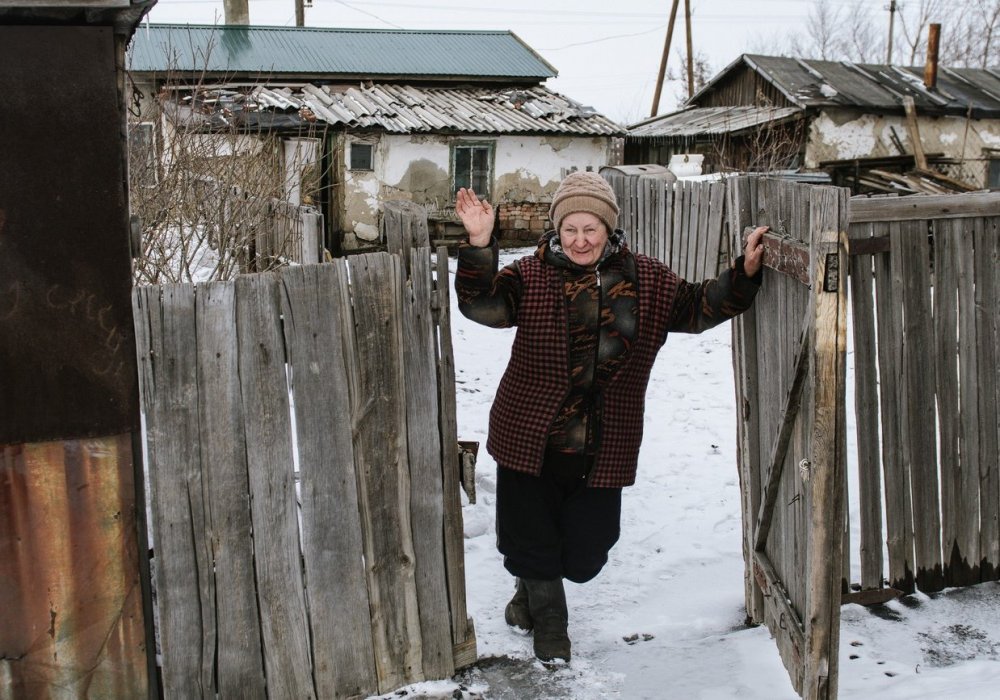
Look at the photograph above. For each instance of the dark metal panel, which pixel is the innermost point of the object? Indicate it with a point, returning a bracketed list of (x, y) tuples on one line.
[(67, 349)]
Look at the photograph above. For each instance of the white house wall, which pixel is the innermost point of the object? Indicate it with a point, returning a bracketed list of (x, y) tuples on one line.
[(417, 167), (841, 135)]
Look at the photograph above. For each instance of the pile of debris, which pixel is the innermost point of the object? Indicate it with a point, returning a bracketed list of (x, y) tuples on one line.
[(896, 175)]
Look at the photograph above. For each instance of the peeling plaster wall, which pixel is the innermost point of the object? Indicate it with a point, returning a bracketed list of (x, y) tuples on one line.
[(843, 134), (418, 167)]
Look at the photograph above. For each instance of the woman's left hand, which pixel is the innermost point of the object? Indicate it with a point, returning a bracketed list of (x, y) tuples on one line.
[(754, 252)]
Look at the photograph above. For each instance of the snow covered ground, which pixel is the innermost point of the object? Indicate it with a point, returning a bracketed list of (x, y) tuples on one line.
[(665, 619)]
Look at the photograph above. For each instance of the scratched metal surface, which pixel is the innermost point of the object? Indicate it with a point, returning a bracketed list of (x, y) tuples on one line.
[(67, 349)]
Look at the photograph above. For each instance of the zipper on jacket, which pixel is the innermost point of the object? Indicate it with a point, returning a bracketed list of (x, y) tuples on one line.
[(592, 413)]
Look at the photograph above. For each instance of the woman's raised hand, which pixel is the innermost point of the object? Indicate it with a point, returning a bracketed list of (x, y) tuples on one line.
[(476, 216)]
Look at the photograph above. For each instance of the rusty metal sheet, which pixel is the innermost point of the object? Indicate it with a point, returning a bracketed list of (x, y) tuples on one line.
[(67, 349), (70, 604)]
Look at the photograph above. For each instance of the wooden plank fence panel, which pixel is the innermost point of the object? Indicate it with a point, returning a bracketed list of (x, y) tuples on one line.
[(678, 253), (378, 412), (899, 516), (332, 549), (272, 488), (427, 496), (919, 439), (713, 261), (960, 542), (987, 299), (463, 636), (666, 223), (180, 550), (240, 663), (923, 207), (866, 411)]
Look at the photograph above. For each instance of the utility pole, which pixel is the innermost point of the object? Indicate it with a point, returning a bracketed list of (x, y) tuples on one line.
[(687, 21), (300, 13), (892, 18), (663, 60), (236, 11)]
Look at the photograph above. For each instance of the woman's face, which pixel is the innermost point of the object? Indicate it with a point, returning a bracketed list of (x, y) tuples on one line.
[(583, 236)]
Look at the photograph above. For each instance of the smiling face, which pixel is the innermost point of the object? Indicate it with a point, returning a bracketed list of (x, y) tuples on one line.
[(583, 237)]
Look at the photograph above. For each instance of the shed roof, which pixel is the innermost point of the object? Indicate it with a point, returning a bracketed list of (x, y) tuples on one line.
[(400, 109), (698, 121), (871, 87), (316, 52)]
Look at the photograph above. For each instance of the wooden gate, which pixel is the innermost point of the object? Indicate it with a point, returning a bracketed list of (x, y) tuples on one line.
[(304, 480), (789, 354)]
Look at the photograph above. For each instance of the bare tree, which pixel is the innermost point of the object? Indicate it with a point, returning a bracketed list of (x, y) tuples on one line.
[(913, 20), (208, 184)]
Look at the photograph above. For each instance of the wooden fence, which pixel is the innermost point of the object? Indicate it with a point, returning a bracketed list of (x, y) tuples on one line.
[(303, 475), (925, 284), (682, 223)]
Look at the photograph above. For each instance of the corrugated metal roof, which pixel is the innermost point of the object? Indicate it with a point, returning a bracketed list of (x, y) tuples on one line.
[(872, 87), (325, 52), (697, 121), (400, 109)]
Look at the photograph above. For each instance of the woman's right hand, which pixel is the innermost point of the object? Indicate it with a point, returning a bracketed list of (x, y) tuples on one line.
[(476, 216)]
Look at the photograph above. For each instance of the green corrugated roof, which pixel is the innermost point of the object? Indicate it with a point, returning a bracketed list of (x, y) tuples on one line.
[(312, 51)]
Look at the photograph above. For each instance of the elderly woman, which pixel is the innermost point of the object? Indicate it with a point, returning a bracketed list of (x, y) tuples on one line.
[(567, 419)]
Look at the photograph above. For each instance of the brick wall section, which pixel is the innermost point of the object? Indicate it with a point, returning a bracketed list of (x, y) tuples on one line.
[(523, 222)]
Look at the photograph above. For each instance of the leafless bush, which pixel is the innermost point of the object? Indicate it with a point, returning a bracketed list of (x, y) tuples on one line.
[(208, 180)]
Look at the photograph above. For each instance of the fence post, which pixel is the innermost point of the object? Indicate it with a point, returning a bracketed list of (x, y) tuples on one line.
[(828, 260)]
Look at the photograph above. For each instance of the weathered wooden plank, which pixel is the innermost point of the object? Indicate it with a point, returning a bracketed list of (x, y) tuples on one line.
[(461, 625), (923, 207), (180, 555), (312, 305), (682, 207), (378, 416), (666, 219), (896, 475), (427, 494), (960, 552), (238, 659), (919, 415), (744, 347), (987, 298), (703, 234), (267, 424), (692, 232), (829, 290), (866, 412), (779, 448), (714, 264)]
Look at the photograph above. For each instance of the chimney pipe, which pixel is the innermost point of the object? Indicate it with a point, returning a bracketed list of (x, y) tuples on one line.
[(930, 69)]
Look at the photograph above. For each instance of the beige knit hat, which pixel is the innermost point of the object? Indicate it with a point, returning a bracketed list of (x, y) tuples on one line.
[(585, 191)]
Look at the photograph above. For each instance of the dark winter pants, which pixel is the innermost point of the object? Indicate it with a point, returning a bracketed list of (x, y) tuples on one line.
[(554, 525)]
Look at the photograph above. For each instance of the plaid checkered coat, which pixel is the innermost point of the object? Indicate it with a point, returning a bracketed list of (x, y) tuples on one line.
[(532, 294)]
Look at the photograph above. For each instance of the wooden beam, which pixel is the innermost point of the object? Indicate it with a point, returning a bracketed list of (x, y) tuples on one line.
[(914, 129), (931, 206), (785, 255)]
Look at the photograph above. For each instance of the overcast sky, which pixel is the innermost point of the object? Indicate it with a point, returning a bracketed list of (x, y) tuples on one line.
[(607, 52)]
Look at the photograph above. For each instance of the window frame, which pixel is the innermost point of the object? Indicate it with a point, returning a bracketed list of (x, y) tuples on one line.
[(490, 147), (371, 156)]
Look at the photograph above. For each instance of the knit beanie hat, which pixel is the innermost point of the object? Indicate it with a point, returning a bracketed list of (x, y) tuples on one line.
[(585, 191)]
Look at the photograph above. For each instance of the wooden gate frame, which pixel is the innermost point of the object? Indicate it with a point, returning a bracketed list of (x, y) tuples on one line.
[(809, 642)]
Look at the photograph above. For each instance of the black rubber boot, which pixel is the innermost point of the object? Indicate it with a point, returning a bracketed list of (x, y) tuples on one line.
[(547, 606), (516, 613)]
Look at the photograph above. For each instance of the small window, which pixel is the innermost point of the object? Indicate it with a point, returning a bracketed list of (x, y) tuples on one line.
[(361, 156), (472, 165), (993, 173)]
